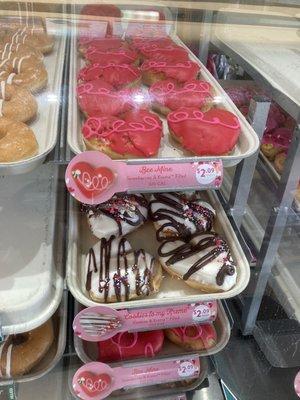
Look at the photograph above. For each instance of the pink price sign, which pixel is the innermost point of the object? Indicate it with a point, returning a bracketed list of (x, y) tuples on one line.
[(100, 322), (92, 177), (89, 28), (97, 380)]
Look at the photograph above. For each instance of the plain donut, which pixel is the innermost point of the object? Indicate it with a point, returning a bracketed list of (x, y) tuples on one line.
[(16, 103), (20, 353), (17, 141)]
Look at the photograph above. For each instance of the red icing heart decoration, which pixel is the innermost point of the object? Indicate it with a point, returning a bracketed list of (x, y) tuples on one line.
[(93, 384), (92, 181), (214, 132)]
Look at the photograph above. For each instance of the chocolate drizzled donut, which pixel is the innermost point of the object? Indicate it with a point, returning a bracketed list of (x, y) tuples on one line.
[(177, 212)]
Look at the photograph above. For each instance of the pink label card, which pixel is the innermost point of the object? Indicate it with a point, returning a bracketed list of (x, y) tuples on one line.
[(149, 29), (92, 177), (97, 381), (92, 28), (297, 384), (100, 322)]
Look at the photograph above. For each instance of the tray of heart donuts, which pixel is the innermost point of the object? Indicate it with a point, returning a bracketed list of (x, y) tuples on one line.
[(136, 251), (31, 69), (31, 354), (143, 99)]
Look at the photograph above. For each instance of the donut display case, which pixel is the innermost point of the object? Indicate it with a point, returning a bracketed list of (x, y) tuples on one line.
[(149, 200)]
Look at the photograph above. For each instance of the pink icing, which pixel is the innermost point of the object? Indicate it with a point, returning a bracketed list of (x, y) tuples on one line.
[(279, 138), (163, 88), (94, 54), (186, 114), (204, 332), (161, 65)]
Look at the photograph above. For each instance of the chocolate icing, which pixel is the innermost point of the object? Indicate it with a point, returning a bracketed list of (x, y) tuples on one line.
[(120, 208), (143, 281), (183, 209), (186, 250)]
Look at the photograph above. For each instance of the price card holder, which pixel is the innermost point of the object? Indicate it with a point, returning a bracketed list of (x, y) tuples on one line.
[(92, 177), (97, 380), (90, 28), (101, 323), (150, 29)]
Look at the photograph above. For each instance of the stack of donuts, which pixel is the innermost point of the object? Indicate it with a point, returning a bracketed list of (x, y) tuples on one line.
[(127, 87), (22, 74), (188, 248)]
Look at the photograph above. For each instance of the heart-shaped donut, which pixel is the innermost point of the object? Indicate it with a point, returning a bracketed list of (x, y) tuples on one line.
[(94, 384), (174, 215), (169, 95), (117, 56), (137, 134), (92, 181), (211, 133)]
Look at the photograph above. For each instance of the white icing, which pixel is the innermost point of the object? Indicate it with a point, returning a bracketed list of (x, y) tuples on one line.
[(1, 351), (24, 38), (143, 263), (3, 87), (8, 360), (181, 219), (10, 78), (207, 274), (20, 64), (3, 62), (1, 107), (103, 226)]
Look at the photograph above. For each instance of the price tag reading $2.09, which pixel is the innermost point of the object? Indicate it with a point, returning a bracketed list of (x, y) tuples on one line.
[(186, 369), (201, 313), (206, 173)]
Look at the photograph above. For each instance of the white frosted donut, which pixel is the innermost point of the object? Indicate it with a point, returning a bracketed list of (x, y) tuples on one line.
[(118, 216), (16, 103), (9, 50), (17, 141), (204, 263), (20, 353), (38, 40)]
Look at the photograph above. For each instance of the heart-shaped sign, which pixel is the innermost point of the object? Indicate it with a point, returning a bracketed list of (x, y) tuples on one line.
[(92, 181), (94, 384)]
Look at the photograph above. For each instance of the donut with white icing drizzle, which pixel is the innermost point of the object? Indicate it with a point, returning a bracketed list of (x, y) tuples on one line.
[(193, 337)]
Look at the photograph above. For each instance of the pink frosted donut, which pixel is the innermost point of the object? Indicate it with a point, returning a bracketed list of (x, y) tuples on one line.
[(163, 52), (98, 97), (276, 142), (169, 95), (140, 42), (194, 337), (126, 346), (104, 44), (120, 55), (154, 71), (119, 76)]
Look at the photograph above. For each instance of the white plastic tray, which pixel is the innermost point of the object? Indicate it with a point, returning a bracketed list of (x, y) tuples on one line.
[(31, 285), (55, 352), (172, 291), (247, 144), (45, 125), (88, 351)]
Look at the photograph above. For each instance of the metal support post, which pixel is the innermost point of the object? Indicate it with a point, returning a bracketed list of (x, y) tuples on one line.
[(274, 230), (205, 37), (258, 115)]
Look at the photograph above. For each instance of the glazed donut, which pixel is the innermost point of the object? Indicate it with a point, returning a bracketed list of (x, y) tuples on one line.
[(168, 95), (38, 40), (276, 142), (104, 44), (16, 103), (113, 272), (204, 263), (118, 216), (174, 215), (194, 337), (279, 161), (116, 56), (127, 346), (20, 353), (119, 76), (136, 135), (10, 50), (17, 141), (98, 97), (211, 133), (155, 71), (24, 72)]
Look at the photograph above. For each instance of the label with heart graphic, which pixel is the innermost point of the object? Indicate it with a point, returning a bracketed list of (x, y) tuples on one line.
[(92, 177), (86, 323), (96, 380)]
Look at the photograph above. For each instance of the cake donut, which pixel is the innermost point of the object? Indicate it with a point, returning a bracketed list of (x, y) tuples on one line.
[(16, 103), (119, 76), (113, 272), (38, 40), (98, 97), (17, 141), (136, 135), (211, 133), (169, 95), (127, 346), (194, 337), (20, 353), (117, 216), (276, 142), (279, 161), (10, 50), (204, 262), (154, 71), (174, 215), (116, 56)]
